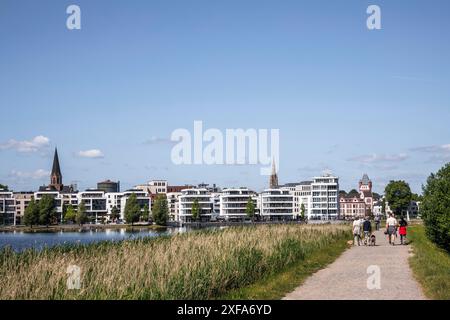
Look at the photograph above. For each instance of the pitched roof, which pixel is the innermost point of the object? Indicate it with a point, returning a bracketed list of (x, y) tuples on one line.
[(56, 170), (365, 179)]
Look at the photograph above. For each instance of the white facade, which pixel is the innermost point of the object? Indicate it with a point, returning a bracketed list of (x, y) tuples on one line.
[(143, 199), (325, 198), (173, 202), (95, 204), (187, 199), (277, 204), (233, 203)]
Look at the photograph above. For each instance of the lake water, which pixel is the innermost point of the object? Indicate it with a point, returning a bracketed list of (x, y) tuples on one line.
[(20, 240)]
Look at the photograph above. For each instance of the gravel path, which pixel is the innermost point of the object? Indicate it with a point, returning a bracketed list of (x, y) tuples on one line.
[(347, 277)]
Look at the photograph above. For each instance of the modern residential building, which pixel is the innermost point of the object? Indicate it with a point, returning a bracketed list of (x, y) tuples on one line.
[(173, 202), (277, 204), (95, 204), (187, 199), (22, 201), (7, 207), (301, 191), (143, 199), (154, 187), (324, 198), (233, 203)]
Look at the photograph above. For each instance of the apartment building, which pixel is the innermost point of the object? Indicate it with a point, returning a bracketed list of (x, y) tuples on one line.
[(142, 197), (186, 200), (277, 204), (22, 201), (324, 198), (95, 204), (7, 207), (153, 187), (233, 203), (173, 202)]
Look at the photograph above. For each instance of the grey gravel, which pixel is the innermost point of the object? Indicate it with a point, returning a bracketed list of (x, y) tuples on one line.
[(346, 278)]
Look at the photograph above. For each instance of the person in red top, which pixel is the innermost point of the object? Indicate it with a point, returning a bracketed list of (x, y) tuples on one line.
[(403, 230)]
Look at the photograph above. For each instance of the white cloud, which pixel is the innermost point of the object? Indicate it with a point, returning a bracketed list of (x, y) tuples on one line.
[(36, 144), (93, 154), (36, 175), (376, 158), (437, 153)]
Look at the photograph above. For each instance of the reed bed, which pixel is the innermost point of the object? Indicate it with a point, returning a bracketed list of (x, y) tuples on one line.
[(196, 265)]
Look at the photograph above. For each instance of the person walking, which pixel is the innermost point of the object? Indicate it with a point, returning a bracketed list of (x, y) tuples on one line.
[(403, 230), (391, 228), (367, 228), (357, 232), (377, 222)]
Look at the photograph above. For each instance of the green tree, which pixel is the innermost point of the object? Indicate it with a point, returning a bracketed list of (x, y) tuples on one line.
[(47, 210), (115, 213), (435, 208), (353, 193), (31, 215), (250, 209), (132, 209), (81, 217), (195, 210), (302, 212), (398, 195), (70, 215), (160, 211), (145, 213), (4, 187)]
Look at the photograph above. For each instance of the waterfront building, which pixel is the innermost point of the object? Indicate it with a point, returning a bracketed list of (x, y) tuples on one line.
[(187, 198), (7, 207), (142, 197), (154, 187), (277, 204), (22, 200), (324, 198), (173, 202), (95, 204), (233, 203)]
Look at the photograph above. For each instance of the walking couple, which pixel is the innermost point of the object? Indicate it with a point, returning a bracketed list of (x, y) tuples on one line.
[(392, 226)]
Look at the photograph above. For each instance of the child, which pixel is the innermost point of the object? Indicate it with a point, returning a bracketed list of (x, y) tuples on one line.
[(403, 230)]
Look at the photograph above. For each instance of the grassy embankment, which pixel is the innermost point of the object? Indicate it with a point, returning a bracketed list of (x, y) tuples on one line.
[(196, 265), (430, 264)]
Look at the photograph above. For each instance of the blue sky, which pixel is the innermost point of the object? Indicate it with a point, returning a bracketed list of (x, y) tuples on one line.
[(344, 98)]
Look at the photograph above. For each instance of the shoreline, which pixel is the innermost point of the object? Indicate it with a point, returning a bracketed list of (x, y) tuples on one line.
[(78, 228)]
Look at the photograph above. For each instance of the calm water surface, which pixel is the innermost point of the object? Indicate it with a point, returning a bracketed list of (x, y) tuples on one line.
[(21, 240)]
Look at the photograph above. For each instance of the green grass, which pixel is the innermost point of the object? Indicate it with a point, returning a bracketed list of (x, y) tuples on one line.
[(277, 286), (430, 264)]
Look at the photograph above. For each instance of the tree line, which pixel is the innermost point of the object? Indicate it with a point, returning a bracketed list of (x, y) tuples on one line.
[(43, 212)]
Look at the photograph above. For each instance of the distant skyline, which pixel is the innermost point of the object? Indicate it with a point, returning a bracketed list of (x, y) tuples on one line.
[(345, 99)]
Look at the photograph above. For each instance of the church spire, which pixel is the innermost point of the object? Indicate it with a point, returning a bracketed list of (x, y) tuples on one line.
[(56, 176), (273, 182)]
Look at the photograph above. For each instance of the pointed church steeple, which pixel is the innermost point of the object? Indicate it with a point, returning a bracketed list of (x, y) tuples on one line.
[(56, 176), (273, 182)]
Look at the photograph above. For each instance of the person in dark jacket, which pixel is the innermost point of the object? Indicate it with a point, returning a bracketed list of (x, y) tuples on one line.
[(367, 229)]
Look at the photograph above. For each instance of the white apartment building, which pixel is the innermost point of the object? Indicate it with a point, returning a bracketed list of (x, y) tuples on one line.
[(173, 202), (95, 204), (113, 199), (187, 199), (143, 199), (302, 195), (233, 203), (277, 204), (325, 198), (7, 207)]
